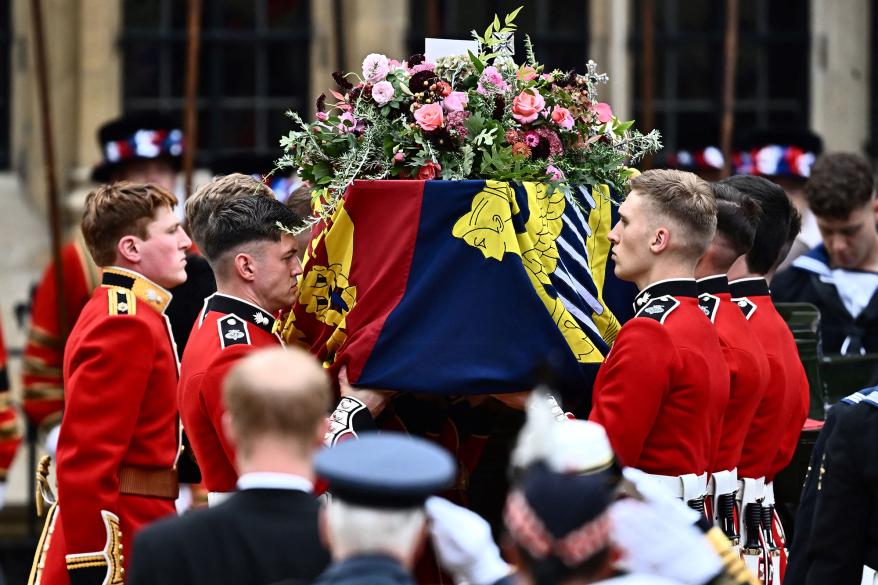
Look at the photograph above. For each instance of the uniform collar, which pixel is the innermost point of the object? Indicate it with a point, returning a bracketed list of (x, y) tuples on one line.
[(675, 287), (749, 287), (275, 481), (246, 311), (713, 285), (143, 288)]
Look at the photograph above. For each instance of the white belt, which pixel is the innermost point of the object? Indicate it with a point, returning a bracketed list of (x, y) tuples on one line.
[(216, 498), (686, 487), (769, 494), (751, 490), (723, 483)]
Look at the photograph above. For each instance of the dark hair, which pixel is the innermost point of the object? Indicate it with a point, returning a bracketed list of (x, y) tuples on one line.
[(840, 182), (774, 223), (118, 210), (737, 217), (246, 219)]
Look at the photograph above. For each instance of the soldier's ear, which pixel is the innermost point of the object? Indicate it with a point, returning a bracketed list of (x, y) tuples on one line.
[(128, 248), (228, 429), (661, 239), (245, 267)]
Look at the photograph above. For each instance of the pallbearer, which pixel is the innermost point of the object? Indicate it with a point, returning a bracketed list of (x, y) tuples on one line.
[(662, 391)]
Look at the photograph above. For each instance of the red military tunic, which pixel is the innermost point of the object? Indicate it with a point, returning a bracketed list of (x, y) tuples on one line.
[(748, 368), (118, 446), (228, 329), (778, 421), (10, 431), (662, 390), (43, 388)]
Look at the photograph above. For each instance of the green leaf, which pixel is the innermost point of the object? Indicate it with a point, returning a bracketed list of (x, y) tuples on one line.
[(477, 63), (511, 16), (496, 22)]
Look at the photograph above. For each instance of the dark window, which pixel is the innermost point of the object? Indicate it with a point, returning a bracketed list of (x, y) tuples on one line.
[(254, 67), (5, 90), (558, 28), (772, 68)]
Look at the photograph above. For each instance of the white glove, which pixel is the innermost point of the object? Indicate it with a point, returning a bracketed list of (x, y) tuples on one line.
[(52, 440), (652, 543), (660, 498), (2, 494), (464, 544)]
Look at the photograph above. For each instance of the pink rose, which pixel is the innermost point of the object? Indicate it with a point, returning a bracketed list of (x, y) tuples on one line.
[(347, 123), (526, 73), (527, 105), (322, 116), (399, 156), (382, 92), (456, 101), (429, 117), (604, 112), (560, 116), (375, 67), (429, 171)]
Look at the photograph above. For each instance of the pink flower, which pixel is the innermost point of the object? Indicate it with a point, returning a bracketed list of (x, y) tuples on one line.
[(526, 73), (456, 101), (527, 105), (604, 112), (531, 138), (560, 116), (347, 123), (554, 173), (322, 116), (491, 81), (395, 65), (382, 92), (429, 116), (399, 156), (375, 67), (425, 66), (429, 171)]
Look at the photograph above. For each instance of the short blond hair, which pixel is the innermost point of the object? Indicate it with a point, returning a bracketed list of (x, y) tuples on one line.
[(277, 392), (118, 210), (206, 199), (684, 198)]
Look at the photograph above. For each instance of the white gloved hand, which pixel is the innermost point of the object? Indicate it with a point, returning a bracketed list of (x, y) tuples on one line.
[(464, 543), (660, 497), (52, 440), (653, 543)]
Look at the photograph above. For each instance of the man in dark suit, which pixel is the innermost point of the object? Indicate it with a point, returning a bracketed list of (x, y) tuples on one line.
[(276, 402)]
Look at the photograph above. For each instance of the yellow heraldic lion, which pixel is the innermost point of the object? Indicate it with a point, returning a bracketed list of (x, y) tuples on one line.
[(488, 227), (325, 291)]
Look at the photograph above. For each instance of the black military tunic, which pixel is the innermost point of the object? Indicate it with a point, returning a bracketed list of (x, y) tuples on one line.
[(845, 526)]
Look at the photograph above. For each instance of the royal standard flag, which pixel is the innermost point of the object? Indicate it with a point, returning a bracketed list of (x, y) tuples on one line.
[(458, 287)]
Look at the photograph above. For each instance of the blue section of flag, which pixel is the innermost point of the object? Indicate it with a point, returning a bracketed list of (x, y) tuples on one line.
[(474, 325)]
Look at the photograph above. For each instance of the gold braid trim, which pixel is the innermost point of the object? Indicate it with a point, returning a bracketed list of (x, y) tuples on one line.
[(734, 570), (36, 571), (43, 338)]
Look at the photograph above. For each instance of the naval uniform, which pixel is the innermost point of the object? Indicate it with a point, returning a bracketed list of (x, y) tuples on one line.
[(229, 329), (663, 388), (265, 532), (748, 377), (798, 565), (845, 529), (118, 445)]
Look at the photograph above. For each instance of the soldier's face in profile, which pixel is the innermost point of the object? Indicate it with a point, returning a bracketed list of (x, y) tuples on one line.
[(630, 239), (163, 252), (278, 272)]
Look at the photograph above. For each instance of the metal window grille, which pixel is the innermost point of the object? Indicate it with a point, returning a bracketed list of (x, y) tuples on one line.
[(5, 89), (254, 67), (772, 69), (558, 28)]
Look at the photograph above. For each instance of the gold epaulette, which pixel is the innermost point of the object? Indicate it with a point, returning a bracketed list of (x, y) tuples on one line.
[(122, 301)]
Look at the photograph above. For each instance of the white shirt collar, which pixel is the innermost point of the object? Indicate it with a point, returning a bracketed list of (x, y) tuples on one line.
[(273, 480)]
